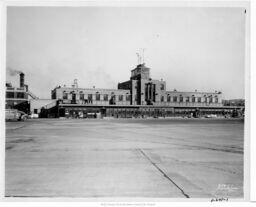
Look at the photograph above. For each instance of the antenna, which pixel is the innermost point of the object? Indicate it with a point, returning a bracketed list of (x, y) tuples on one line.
[(143, 57), (139, 58), (75, 83)]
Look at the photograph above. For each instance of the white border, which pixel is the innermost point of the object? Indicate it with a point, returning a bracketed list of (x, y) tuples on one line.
[(253, 104), (249, 190)]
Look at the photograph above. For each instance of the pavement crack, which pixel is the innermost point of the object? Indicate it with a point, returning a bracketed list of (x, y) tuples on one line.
[(163, 173)]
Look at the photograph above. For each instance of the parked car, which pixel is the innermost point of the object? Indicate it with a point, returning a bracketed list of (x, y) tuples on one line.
[(211, 116), (15, 115)]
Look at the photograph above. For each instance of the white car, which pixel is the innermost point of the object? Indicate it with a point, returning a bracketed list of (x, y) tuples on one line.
[(211, 116)]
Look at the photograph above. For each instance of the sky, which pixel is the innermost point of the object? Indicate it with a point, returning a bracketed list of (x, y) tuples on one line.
[(190, 48)]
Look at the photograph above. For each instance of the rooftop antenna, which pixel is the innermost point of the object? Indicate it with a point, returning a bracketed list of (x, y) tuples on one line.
[(139, 58), (143, 57), (75, 83)]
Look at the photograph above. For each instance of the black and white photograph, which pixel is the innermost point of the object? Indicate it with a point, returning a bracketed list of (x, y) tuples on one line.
[(131, 102)]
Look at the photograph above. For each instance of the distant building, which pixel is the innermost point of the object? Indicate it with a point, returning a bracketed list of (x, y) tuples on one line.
[(234, 102), (139, 96), (139, 90), (147, 91), (18, 97)]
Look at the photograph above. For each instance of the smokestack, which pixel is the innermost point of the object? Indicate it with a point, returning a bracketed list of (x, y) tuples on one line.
[(22, 80)]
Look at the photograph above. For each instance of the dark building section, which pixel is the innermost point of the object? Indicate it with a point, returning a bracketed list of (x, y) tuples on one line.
[(18, 97), (22, 80), (234, 102)]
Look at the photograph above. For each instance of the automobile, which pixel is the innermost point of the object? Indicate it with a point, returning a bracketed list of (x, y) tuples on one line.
[(23, 116), (15, 115), (211, 116), (33, 116)]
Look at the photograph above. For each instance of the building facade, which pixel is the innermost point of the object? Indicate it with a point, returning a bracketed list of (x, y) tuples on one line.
[(140, 96), (147, 91), (16, 95), (140, 90)]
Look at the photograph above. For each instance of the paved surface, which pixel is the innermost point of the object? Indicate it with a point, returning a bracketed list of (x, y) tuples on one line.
[(125, 158)]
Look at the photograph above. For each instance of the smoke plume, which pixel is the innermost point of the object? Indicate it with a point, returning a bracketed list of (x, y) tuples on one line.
[(13, 72)]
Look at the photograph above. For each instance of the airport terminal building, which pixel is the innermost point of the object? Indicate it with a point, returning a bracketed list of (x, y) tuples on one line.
[(140, 96)]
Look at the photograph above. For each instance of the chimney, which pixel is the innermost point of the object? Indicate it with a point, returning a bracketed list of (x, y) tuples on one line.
[(22, 80)]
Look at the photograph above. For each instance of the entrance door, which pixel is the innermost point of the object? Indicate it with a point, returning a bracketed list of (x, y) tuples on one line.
[(73, 98)]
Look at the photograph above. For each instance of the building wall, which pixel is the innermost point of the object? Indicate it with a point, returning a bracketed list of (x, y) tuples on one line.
[(93, 96), (37, 104), (14, 96), (142, 90), (193, 98)]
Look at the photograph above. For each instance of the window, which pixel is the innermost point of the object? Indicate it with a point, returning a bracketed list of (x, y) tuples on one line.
[(120, 98), (97, 97), (65, 95), (105, 97), (174, 98), (193, 99), (216, 100), (90, 98), (162, 98), (205, 99), (199, 99), (81, 96), (210, 100), (20, 95), (9, 94), (128, 97), (187, 99), (181, 99), (35, 111), (162, 86), (168, 98)]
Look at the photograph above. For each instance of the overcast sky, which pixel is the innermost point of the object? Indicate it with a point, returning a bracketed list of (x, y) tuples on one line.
[(190, 48)]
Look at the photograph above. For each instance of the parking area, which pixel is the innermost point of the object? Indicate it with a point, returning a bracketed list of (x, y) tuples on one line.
[(160, 158)]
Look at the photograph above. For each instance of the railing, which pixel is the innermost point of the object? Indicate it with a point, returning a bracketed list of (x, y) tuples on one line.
[(32, 95)]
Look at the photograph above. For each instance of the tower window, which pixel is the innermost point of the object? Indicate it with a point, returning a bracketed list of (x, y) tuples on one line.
[(65, 95), (81, 96), (105, 97), (128, 97), (97, 97), (90, 98)]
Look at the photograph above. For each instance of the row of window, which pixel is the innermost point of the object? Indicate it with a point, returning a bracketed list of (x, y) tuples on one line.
[(12, 95), (98, 97), (199, 99)]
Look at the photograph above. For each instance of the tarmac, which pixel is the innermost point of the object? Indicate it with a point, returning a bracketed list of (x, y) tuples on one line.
[(154, 158)]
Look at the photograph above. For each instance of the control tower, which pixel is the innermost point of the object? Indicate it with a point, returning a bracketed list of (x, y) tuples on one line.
[(140, 72)]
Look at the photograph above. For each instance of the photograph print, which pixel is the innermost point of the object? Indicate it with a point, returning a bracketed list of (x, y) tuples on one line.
[(125, 102)]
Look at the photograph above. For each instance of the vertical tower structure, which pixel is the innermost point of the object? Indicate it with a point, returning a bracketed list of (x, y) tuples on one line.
[(143, 90)]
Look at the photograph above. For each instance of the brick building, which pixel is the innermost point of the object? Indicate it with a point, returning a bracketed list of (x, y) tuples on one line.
[(139, 96), (16, 95)]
